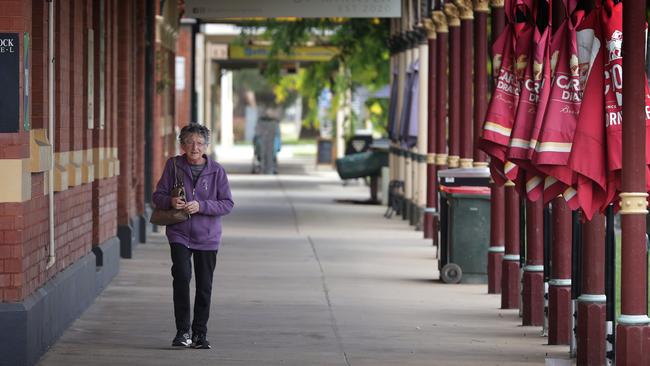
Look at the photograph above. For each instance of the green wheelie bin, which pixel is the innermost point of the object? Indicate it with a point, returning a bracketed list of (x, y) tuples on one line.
[(466, 234)]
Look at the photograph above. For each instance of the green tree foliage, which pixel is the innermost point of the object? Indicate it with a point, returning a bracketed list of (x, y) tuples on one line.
[(363, 57)]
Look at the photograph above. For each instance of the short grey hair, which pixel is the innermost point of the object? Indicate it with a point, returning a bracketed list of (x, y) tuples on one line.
[(194, 128)]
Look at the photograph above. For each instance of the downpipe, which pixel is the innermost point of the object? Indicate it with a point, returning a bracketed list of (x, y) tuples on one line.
[(51, 259)]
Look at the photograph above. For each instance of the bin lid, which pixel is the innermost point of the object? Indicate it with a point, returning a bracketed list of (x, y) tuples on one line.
[(480, 172), (466, 190)]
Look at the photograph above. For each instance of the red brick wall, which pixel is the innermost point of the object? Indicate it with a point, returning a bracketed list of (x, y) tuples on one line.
[(125, 85), (15, 17), (73, 225), (39, 70), (184, 97), (85, 215), (76, 69), (104, 210), (140, 32), (62, 77)]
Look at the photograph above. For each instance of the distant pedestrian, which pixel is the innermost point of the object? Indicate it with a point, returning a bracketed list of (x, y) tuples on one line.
[(207, 198)]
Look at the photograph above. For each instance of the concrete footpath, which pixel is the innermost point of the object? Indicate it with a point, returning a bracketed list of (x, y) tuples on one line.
[(304, 278)]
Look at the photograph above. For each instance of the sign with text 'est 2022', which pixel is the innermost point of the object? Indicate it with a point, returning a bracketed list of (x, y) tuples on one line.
[(10, 82), (212, 9)]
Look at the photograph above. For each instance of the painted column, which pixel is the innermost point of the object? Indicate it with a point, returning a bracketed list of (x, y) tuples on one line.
[(510, 265), (591, 303), (533, 282), (559, 294), (404, 164), (497, 238), (401, 82), (632, 332), (481, 10), (466, 82), (393, 106), (497, 194), (431, 181), (453, 21), (442, 46), (227, 137), (442, 42), (423, 130), (412, 55), (401, 75)]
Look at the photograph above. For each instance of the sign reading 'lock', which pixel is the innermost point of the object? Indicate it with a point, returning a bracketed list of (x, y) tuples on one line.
[(10, 81)]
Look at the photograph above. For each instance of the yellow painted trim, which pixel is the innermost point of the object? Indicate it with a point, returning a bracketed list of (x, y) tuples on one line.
[(429, 27), (441, 159), (60, 171), (18, 186), (116, 162), (74, 168), (431, 158), (481, 6), (634, 203), (440, 21), (40, 151), (466, 163), (453, 16), (465, 8), (480, 164), (99, 160), (87, 166), (453, 161)]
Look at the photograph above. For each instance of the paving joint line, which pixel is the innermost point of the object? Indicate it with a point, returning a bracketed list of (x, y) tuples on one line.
[(293, 208), (335, 326)]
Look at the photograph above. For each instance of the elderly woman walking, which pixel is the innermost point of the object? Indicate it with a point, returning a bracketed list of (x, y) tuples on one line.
[(207, 198)]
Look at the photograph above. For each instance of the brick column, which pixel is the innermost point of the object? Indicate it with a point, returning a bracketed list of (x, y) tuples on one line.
[(139, 136), (126, 212)]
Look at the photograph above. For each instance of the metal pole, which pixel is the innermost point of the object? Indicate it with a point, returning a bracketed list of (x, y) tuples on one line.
[(632, 331), (481, 10), (533, 280), (559, 295), (431, 196), (421, 166), (591, 303), (610, 283), (466, 81), (453, 22), (442, 32), (497, 194), (546, 235), (576, 277), (510, 271)]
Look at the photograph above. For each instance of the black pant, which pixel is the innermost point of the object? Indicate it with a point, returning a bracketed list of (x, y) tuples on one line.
[(204, 263)]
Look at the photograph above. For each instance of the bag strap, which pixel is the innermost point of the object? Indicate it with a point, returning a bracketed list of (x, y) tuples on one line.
[(177, 182)]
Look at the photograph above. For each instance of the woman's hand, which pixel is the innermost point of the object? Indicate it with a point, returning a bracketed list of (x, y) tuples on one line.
[(178, 203), (191, 207)]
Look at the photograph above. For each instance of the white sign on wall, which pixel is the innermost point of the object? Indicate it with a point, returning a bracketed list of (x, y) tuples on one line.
[(217, 51), (180, 73), (215, 9)]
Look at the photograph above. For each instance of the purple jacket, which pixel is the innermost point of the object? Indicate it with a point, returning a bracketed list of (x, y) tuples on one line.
[(203, 230)]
